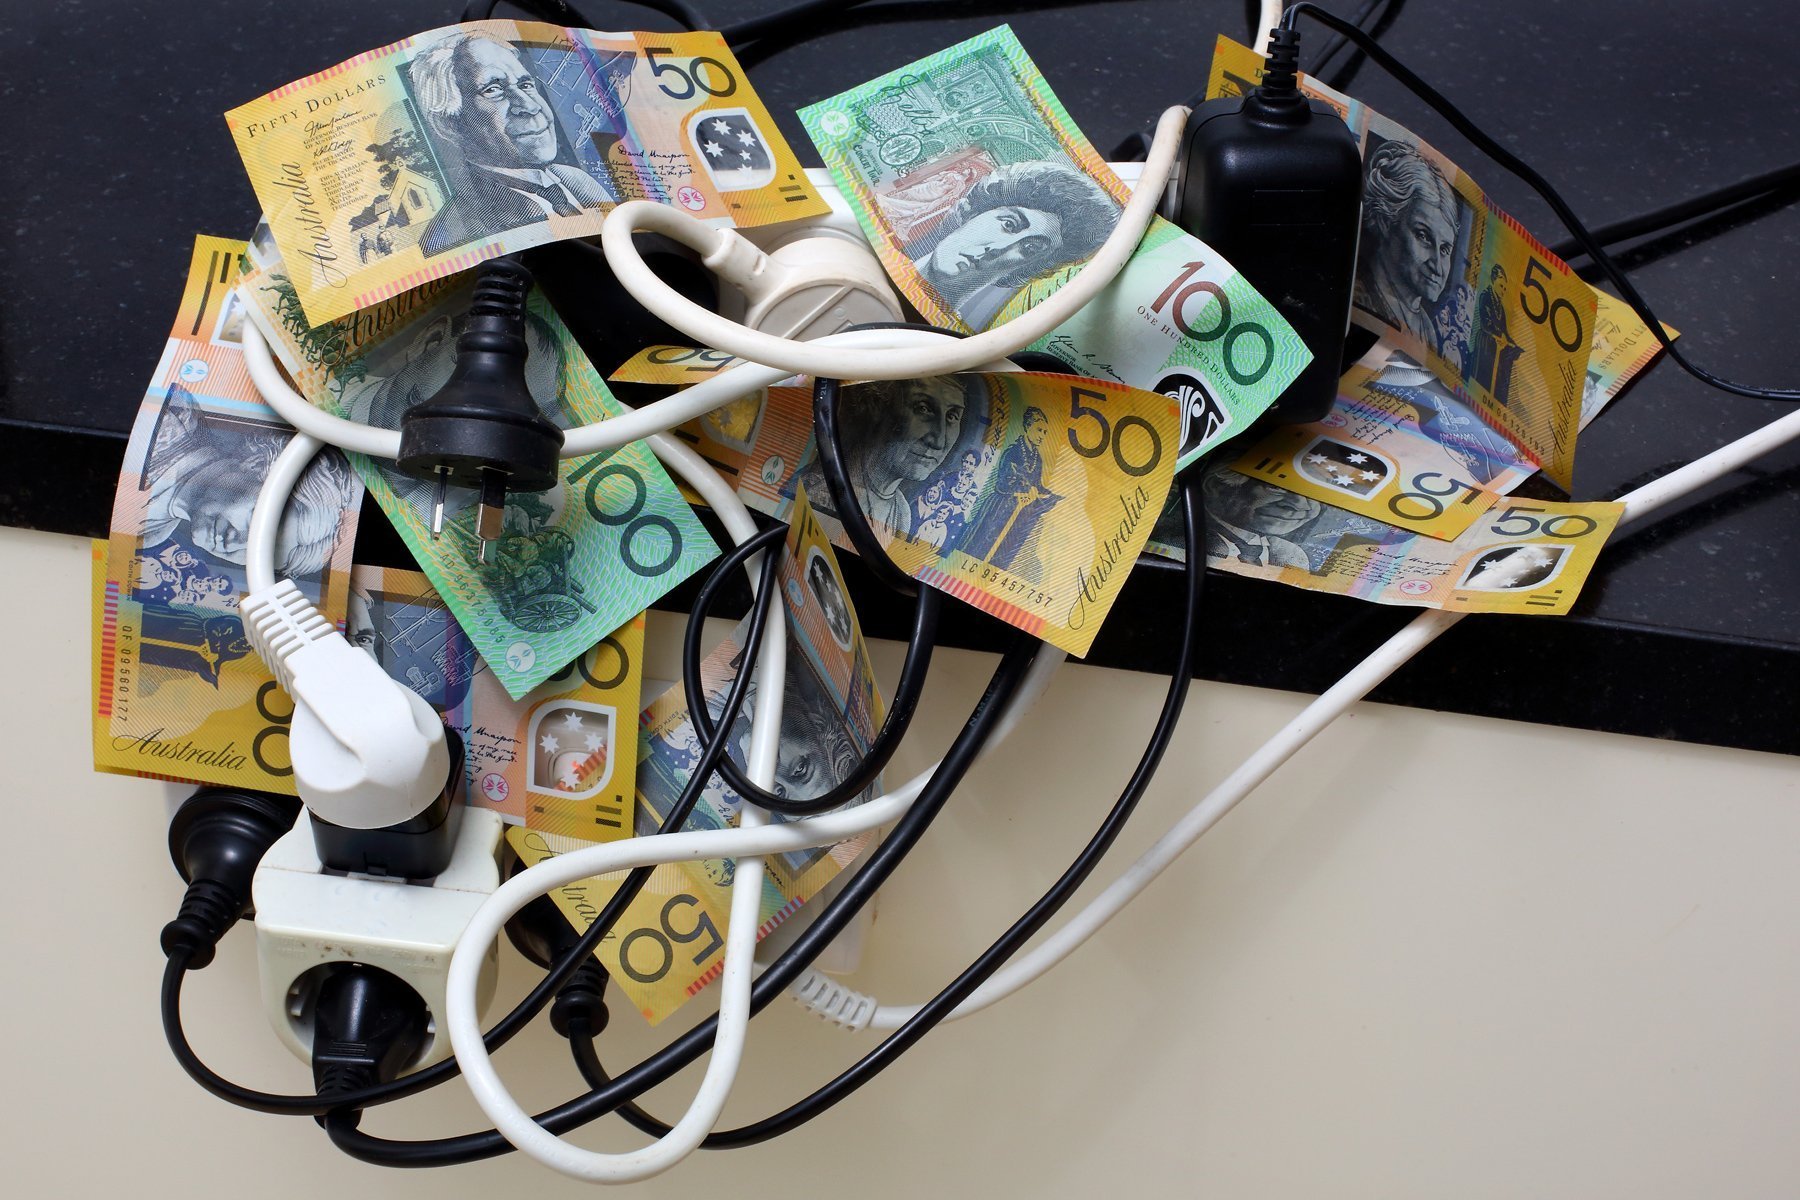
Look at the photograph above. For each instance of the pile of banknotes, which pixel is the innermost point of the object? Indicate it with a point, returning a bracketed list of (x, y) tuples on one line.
[(1030, 495)]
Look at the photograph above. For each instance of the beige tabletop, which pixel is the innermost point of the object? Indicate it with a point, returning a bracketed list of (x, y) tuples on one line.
[(1435, 956)]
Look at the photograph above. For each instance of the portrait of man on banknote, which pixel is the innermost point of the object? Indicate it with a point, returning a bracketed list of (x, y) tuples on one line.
[(1414, 237), (1256, 522), (1013, 225), (897, 436), (482, 101)]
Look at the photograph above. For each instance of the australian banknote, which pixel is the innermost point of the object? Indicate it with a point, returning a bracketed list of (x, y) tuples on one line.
[(1519, 557), (1407, 453), (574, 562), (419, 159), (562, 757), (178, 691), (1455, 282), (670, 943), (982, 198), (1027, 495), (525, 759)]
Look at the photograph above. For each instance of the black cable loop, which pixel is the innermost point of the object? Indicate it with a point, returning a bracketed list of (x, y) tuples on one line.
[(663, 1065), (933, 1012), (408, 1085), (1516, 166)]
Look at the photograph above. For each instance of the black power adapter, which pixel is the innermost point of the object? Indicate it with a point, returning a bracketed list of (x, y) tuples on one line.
[(1273, 181)]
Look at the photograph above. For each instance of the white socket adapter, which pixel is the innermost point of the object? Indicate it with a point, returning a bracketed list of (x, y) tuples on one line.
[(811, 277)]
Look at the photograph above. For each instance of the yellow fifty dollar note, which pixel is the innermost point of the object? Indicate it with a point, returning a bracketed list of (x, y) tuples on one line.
[(1027, 495), (420, 159), (1448, 277)]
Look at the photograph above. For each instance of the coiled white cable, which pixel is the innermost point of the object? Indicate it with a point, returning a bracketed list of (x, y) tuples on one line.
[(853, 1010), (729, 253)]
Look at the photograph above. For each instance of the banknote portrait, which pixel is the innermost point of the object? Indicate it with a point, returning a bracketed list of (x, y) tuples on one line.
[(498, 138), (1255, 522), (1492, 349), (1415, 233), (201, 477), (1004, 526), (1012, 225), (896, 437), (830, 598)]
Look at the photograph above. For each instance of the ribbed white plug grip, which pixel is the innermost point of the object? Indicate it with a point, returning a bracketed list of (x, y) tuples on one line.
[(279, 620), (830, 1000)]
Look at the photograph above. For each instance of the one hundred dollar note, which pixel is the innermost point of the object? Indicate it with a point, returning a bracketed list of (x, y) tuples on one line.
[(1520, 557), (1455, 282), (421, 158), (562, 758), (670, 943), (1027, 495), (982, 198), (178, 691), (574, 562)]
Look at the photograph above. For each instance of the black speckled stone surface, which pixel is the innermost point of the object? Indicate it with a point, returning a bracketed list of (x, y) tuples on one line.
[(117, 154)]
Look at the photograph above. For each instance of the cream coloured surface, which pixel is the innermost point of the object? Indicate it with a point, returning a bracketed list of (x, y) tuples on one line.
[(1434, 956)]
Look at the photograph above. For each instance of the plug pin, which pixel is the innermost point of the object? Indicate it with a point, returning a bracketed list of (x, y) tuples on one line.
[(490, 517), (437, 508)]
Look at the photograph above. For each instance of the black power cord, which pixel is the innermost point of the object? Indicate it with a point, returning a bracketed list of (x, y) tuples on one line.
[(1761, 186), (957, 761), (184, 957), (1517, 167), (940, 1006), (561, 12)]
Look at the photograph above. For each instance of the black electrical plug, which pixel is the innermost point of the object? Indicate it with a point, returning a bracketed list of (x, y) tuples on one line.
[(418, 848), (541, 933), (367, 1026), (1273, 182), (482, 429), (216, 839)]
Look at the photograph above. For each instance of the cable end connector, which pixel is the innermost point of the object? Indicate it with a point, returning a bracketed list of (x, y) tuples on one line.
[(1280, 81), (368, 752), (829, 1000)]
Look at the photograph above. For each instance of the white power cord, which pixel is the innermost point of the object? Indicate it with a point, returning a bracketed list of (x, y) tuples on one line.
[(840, 1005), (736, 259)]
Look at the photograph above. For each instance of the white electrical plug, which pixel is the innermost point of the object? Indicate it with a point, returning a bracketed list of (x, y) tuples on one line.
[(368, 752)]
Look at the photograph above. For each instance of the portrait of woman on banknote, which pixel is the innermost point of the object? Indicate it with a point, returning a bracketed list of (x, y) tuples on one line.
[(1413, 241), (1013, 225), (896, 437), (202, 475)]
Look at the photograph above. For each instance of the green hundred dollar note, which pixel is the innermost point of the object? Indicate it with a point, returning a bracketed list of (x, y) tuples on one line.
[(982, 198), (1026, 495), (670, 943), (1456, 282), (574, 562), (178, 693)]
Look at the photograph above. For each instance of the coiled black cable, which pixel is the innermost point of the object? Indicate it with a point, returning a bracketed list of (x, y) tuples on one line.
[(1516, 166), (961, 755), (1009, 943), (408, 1085)]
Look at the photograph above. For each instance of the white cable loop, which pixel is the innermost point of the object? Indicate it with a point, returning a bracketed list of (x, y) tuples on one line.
[(822, 358), (1366, 675)]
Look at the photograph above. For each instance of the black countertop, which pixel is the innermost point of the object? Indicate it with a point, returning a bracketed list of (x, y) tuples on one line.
[(1689, 629)]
